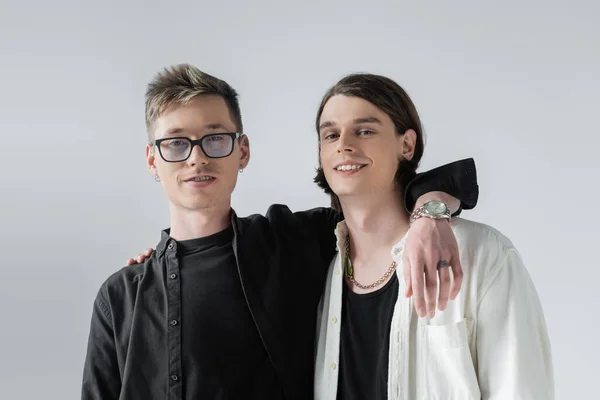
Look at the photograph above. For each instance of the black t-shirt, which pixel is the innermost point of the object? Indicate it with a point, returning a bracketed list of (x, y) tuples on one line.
[(223, 356), (365, 342)]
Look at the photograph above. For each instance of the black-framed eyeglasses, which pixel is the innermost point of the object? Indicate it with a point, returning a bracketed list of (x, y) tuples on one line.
[(214, 145)]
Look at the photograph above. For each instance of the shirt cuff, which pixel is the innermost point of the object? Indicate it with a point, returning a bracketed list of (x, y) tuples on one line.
[(458, 179)]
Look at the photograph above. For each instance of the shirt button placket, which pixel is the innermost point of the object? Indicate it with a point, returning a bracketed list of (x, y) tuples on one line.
[(173, 288)]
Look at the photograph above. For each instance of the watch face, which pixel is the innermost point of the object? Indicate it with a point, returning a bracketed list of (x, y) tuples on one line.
[(434, 207)]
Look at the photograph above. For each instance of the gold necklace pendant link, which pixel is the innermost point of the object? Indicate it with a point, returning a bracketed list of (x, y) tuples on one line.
[(349, 270)]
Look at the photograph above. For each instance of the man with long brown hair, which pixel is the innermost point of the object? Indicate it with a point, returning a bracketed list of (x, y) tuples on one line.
[(489, 343)]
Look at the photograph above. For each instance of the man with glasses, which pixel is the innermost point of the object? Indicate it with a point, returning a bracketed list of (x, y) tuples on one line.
[(225, 307)]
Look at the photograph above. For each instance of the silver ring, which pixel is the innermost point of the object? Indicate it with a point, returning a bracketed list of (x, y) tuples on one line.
[(443, 263)]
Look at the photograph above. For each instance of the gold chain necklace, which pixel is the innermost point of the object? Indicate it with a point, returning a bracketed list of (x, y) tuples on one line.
[(349, 270)]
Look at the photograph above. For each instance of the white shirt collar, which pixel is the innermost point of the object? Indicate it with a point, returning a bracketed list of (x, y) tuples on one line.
[(341, 231)]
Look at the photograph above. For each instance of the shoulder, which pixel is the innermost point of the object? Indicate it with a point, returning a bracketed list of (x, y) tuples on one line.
[(124, 281), (274, 212), (481, 246), (281, 211), (493, 266), (280, 215), (474, 233)]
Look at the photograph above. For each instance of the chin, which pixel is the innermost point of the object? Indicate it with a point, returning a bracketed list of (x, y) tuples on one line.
[(208, 202), (346, 190), (195, 203)]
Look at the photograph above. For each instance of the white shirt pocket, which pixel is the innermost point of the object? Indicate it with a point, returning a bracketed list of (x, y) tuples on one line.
[(447, 365)]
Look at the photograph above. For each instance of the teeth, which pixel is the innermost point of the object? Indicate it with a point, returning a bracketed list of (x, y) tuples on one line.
[(202, 178), (348, 167)]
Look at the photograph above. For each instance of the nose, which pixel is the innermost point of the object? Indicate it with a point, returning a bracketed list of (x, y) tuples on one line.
[(346, 142), (197, 156)]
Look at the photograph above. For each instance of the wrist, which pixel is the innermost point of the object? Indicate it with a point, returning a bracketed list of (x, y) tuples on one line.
[(451, 202), (433, 209)]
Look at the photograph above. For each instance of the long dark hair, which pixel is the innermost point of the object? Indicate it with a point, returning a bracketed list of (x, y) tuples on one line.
[(389, 97)]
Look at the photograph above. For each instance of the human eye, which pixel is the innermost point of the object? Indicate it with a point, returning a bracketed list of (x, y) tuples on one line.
[(177, 143), (216, 138), (330, 136), (365, 132)]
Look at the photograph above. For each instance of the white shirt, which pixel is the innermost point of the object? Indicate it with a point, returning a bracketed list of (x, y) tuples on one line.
[(490, 343)]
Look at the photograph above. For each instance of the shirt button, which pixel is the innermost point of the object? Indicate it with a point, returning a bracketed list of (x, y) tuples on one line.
[(174, 377), (332, 366), (333, 319), (173, 276), (174, 322)]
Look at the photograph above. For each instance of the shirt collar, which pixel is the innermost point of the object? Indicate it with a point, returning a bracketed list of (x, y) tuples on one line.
[(341, 231), (165, 234), (165, 237)]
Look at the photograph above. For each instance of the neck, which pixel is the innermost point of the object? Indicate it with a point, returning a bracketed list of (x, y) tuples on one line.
[(192, 224), (375, 223)]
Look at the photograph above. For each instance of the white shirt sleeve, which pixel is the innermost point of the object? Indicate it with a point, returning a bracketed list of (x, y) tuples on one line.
[(514, 359)]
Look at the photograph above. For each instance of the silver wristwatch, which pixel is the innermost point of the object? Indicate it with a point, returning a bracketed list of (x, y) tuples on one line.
[(432, 209)]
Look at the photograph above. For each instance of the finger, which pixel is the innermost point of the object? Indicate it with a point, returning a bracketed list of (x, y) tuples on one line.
[(130, 262), (148, 252), (409, 291), (431, 286), (444, 278), (457, 275), (417, 278), (407, 278)]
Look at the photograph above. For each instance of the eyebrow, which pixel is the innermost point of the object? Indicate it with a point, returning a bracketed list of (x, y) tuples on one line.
[(357, 121), (215, 126), (367, 120), (210, 127)]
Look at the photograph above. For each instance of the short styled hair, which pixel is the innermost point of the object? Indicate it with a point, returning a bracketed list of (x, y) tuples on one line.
[(182, 83)]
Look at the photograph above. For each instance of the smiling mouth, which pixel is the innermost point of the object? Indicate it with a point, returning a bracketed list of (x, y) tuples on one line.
[(350, 167), (200, 179)]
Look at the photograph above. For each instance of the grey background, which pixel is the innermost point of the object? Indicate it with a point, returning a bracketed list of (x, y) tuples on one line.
[(514, 85)]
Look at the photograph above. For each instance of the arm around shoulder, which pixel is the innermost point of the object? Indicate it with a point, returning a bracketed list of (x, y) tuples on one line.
[(317, 224)]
